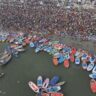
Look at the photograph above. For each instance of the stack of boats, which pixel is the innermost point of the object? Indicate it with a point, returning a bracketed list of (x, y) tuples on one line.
[(47, 87), (61, 53)]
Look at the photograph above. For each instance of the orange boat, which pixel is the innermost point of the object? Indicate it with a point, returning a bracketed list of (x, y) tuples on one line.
[(56, 94), (72, 59), (55, 60), (93, 85), (66, 63)]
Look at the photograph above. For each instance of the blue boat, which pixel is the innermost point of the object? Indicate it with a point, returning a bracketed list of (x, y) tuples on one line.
[(84, 65), (53, 89), (54, 80), (77, 60), (92, 59), (94, 70), (90, 67), (61, 59), (93, 76), (39, 81), (31, 44)]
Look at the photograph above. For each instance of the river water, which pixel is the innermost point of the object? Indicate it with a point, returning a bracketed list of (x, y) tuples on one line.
[(28, 66)]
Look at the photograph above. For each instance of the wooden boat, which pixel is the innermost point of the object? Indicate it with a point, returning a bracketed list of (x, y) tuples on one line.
[(55, 60), (56, 94), (90, 67), (33, 86), (93, 76), (61, 83), (94, 70), (66, 63), (93, 85), (77, 60), (46, 83), (72, 59), (20, 49), (39, 81), (84, 64), (53, 89), (5, 60), (1, 75), (54, 81)]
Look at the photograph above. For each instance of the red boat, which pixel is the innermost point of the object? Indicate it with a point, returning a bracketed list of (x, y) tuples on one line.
[(72, 59), (66, 63), (93, 85), (56, 94)]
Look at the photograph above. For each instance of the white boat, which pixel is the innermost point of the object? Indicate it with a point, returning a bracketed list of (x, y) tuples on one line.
[(46, 83), (77, 60), (94, 70), (90, 66), (39, 81), (84, 64), (93, 76), (33, 86)]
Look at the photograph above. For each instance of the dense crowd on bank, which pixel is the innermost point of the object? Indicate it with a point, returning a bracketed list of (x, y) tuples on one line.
[(49, 17)]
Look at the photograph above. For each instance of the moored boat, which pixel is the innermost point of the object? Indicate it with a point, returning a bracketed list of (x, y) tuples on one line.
[(93, 85), (66, 63), (77, 60), (61, 83), (72, 59), (84, 64), (54, 80), (93, 76), (90, 67), (6, 60), (53, 89), (33, 86), (94, 70), (45, 83), (39, 81), (56, 94), (55, 60)]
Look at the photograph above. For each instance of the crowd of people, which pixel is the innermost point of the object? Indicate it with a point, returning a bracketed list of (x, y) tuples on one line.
[(48, 16)]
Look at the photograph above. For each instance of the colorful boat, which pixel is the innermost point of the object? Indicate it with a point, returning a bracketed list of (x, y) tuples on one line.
[(56, 94), (84, 64), (90, 66), (94, 70), (39, 81), (61, 83), (53, 89), (66, 63), (77, 60), (46, 83), (54, 80), (55, 60), (93, 85), (33, 86), (93, 76)]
